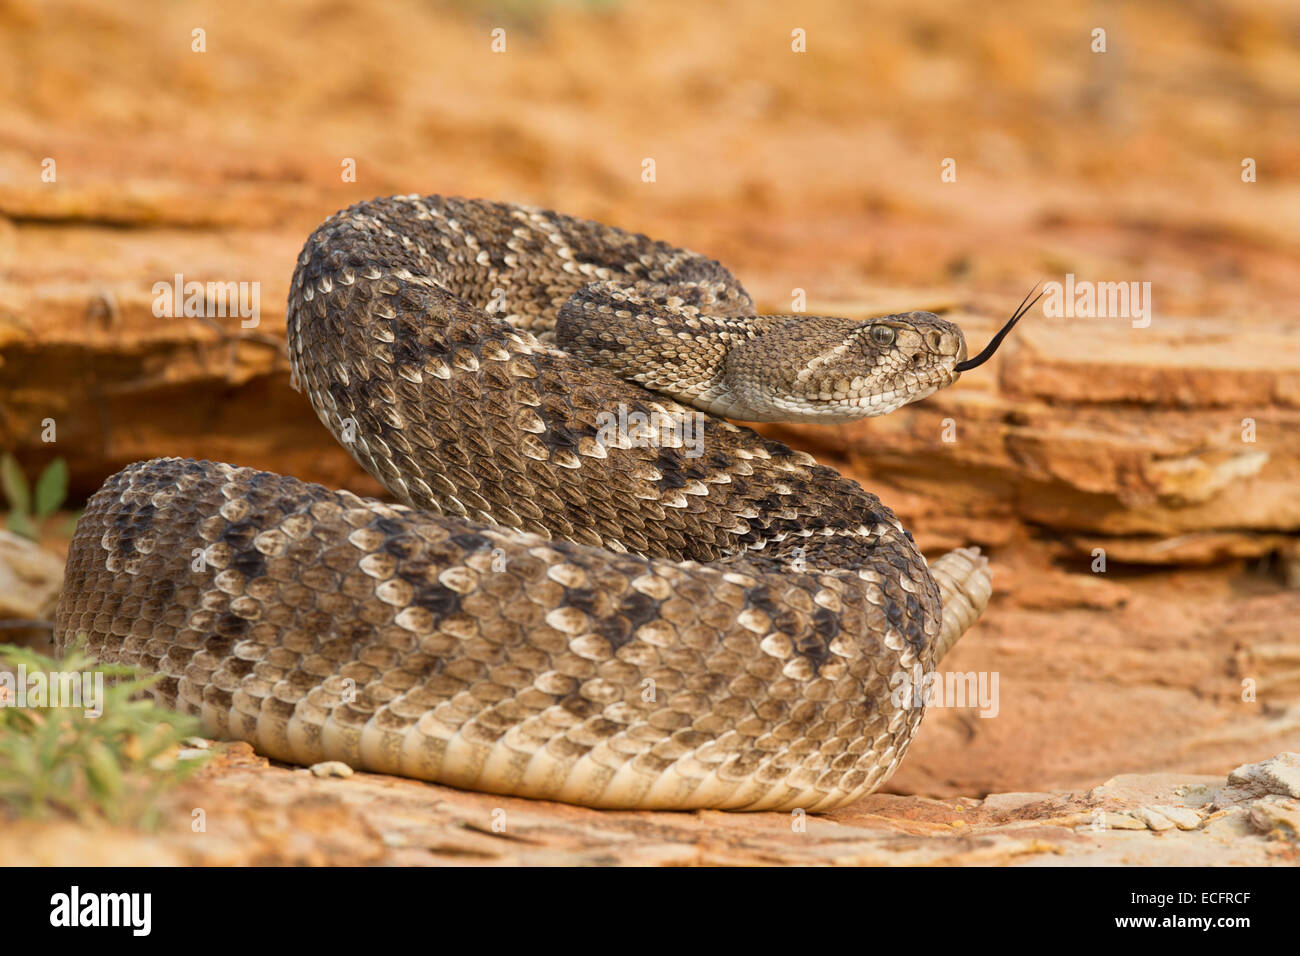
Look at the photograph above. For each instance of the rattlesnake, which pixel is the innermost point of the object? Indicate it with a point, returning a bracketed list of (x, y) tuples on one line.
[(609, 616)]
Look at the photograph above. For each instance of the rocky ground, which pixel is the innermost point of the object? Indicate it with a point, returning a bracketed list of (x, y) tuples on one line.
[(243, 811), (1137, 488)]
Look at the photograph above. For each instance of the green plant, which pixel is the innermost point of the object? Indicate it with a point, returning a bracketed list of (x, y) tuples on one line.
[(114, 765), (29, 506)]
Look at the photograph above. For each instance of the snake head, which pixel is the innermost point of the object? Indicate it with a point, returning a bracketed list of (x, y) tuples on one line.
[(907, 357), (878, 365), (823, 369)]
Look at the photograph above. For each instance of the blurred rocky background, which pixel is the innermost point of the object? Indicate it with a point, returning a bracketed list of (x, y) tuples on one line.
[(1138, 488)]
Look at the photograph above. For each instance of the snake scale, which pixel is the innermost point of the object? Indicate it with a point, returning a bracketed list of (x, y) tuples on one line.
[(628, 616)]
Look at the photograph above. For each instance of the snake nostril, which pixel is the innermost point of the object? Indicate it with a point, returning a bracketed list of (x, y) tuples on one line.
[(934, 339)]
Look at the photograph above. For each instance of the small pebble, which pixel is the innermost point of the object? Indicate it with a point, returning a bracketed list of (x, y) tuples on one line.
[(1124, 821), (331, 768), (1185, 818), (1153, 818)]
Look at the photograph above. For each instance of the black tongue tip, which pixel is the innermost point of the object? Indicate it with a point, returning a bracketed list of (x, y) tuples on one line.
[(1025, 305)]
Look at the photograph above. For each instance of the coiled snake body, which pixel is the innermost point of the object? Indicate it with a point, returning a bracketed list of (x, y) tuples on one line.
[(623, 616)]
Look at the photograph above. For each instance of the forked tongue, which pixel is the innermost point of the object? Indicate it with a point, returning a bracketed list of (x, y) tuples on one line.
[(1025, 305)]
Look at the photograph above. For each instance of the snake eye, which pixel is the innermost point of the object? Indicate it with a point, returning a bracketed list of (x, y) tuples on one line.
[(882, 335)]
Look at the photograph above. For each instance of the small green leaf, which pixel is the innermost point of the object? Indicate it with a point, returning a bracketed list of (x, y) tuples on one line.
[(22, 525), (103, 770), (14, 483), (51, 488)]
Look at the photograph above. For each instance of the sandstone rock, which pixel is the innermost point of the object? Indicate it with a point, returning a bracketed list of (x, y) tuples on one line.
[(261, 813), (1007, 802), (1279, 775), (1279, 819), (30, 579), (1233, 823), (1154, 819), (1184, 818), (1125, 821)]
